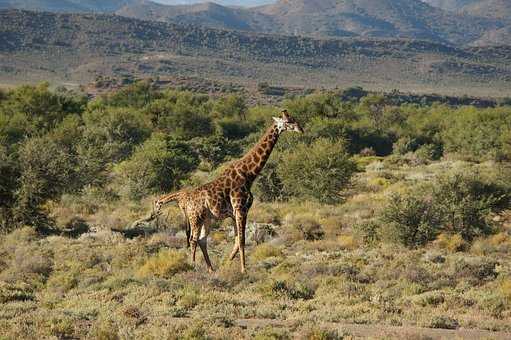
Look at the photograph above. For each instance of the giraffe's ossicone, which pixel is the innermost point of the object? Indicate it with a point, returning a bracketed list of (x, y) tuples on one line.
[(228, 195)]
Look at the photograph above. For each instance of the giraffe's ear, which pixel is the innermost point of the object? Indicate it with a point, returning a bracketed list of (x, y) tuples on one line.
[(277, 119)]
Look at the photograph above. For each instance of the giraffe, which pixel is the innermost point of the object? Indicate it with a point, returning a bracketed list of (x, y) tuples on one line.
[(228, 195)]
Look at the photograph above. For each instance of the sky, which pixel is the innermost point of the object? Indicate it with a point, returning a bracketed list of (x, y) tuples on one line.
[(245, 3)]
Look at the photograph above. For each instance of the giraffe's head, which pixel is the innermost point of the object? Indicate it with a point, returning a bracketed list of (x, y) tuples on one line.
[(287, 123)]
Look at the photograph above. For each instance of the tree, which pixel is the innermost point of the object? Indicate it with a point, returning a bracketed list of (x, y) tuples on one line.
[(115, 131), (216, 149), (231, 106), (135, 95), (9, 173), (180, 118), (318, 171), (47, 171), (156, 166)]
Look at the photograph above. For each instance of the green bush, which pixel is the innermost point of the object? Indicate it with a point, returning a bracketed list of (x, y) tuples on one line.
[(114, 132), (268, 187), (158, 165), (369, 232), (216, 149), (411, 220), (464, 202), (47, 171), (476, 133), (234, 129), (318, 171), (454, 204), (136, 95), (9, 173), (233, 106), (181, 119)]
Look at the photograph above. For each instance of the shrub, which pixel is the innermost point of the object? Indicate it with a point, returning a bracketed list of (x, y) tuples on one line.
[(186, 123), (195, 331), (476, 132), (456, 204), (317, 333), (429, 152), (138, 95), (47, 172), (410, 219), (347, 242), (368, 232), (18, 292), (157, 165), (452, 243), (268, 186), (264, 251), (165, 264), (216, 149), (114, 132), (231, 106), (272, 333), (319, 171), (233, 129), (505, 289), (295, 291), (464, 202), (9, 173), (444, 322), (307, 225)]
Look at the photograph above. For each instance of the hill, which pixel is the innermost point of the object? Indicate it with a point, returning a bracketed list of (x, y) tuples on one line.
[(205, 14), (450, 5), (234, 3), (499, 9), (75, 48), (412, 19), (67, 5), (496, 9), (376, 18)]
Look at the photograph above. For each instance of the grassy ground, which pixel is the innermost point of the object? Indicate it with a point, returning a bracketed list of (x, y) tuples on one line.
[(307, 280)]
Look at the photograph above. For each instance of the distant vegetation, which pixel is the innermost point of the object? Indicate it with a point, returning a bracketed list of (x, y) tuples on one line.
[(141, 141)]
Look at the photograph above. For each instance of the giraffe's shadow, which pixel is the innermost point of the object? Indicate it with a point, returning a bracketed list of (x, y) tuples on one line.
[(137, 231), (143, 227)]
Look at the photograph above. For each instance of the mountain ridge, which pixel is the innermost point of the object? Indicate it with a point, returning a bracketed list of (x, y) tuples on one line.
[(412, 19), (79, 47)]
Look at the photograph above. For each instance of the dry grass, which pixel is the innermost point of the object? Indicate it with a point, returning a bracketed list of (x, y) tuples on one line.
[(165, 264)]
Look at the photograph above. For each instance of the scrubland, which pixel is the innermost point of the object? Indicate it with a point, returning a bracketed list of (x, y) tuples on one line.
[(407, 224)]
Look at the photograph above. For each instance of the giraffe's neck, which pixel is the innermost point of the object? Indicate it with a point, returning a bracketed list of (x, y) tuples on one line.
[(254, 161)]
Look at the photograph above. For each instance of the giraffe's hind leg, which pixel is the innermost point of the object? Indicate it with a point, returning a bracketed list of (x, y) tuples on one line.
[(194, 238), (188, 229), (188, 234), (203, 244), (236, 247)]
